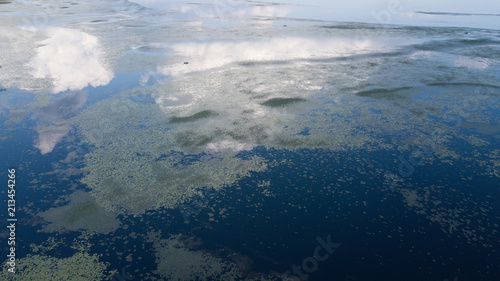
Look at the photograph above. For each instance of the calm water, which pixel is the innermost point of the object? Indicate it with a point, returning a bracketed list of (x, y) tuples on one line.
[(248, 141)]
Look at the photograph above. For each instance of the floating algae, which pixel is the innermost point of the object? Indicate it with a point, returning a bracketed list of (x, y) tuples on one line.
[(151, 156), (141, 183), (194, 117), (80, 266), (455, 215), (42, 266), (265, 107), (81, 213), (178, 263), (137, 164), (140, 150), (279, 102), (384, 94)]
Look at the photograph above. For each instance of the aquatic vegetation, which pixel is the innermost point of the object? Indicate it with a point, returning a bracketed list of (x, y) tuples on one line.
[(81, 213), (43, 266), (278, 102), (139, 160), (177, 262), (194, 117), (137, 163), (456, 217), (264, 136), (385, 94), (80, 266)]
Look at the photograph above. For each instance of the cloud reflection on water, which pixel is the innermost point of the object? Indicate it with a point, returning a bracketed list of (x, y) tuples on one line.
[(70, 58), (224, 11), (212, 54), (51, 125)]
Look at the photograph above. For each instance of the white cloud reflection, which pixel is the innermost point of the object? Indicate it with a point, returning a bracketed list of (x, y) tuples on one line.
[(212, 54), (230, 81), (238, 111), (235, 11), (70, 58), (52, 120), (229, 145)]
